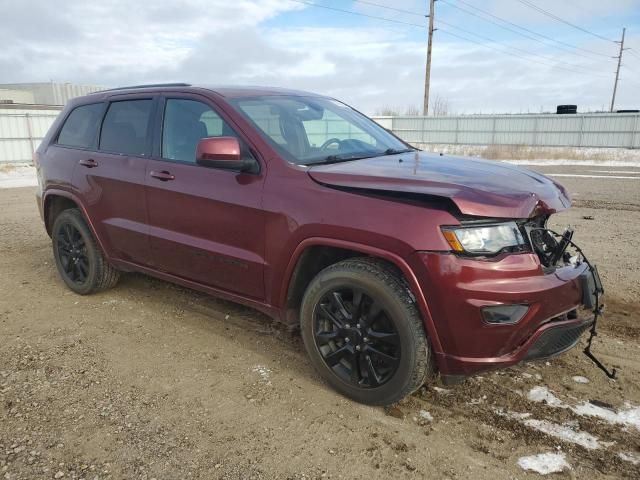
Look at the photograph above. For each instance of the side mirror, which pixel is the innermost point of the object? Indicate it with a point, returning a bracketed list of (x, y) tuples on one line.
[(222, 152)]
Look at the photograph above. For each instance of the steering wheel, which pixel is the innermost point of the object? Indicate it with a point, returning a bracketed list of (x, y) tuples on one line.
[(330, 142)]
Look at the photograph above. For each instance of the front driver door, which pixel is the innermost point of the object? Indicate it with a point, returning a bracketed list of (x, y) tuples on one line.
[(205, 224)]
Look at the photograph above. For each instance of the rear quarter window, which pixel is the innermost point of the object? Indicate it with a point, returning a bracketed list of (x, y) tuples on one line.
[(81, 126)]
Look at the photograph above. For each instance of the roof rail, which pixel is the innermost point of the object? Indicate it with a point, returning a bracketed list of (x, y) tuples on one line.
[(150, 85)]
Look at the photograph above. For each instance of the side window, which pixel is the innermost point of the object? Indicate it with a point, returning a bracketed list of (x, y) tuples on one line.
[(185, 123), (126, 126), (81, 126)]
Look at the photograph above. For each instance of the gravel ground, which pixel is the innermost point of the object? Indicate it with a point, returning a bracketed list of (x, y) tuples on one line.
[(149, 380)]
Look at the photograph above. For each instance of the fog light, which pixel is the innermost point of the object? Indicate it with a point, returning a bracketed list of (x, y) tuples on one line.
[(504, 314)]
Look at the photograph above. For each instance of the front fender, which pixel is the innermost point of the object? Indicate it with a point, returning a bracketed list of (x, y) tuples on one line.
[(391, 257)]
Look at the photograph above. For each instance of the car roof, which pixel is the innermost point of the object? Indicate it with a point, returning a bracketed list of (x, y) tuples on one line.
[(227, 91)]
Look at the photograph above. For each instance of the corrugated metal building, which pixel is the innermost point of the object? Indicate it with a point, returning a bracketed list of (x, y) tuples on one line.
[(8, 95), (48, 93)]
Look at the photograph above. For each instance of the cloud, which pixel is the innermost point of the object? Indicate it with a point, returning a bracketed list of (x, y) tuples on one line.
[(367, 63)]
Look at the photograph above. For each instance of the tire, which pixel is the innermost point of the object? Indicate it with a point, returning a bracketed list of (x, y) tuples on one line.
[(80, 261), (387, 345)]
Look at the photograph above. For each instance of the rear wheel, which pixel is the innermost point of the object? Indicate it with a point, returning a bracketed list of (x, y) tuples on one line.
[(364, 333), (79, 260)]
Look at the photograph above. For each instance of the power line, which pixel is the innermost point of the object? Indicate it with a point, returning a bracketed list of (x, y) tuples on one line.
[(335, 9), (513, 54), (555, 17), (540, 35), (400, 10), (567, 47), (633, 52), (581, 6), (526, 52)]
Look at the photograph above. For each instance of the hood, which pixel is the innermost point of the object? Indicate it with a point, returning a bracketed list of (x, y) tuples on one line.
[(478, 187)]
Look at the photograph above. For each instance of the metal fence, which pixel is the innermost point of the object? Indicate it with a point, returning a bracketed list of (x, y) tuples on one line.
[(21, 131), (587, 130)]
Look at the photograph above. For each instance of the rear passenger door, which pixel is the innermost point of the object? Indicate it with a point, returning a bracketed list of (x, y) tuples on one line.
[(112, 179), (205, 224)]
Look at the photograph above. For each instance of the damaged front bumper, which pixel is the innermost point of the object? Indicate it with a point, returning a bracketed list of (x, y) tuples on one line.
[(461, 288)]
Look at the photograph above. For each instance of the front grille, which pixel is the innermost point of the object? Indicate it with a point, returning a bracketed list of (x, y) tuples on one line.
[(556, 340)]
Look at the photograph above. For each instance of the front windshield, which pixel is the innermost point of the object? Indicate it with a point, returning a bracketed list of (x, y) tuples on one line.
[(312, 130)]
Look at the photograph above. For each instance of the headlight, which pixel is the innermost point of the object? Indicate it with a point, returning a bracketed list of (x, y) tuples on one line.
[(485, 239)]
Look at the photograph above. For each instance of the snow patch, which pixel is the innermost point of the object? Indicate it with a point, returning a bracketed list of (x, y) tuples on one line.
[(545, 463), (576, 163), (263, 371), (443, 391), (14, 176), (579, 379), (564, 432), (632, 457), (542, 394), (512, 415), (425, 415), (628, 416)]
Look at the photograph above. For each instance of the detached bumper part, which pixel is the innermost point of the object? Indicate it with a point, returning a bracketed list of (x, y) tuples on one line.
[(591, 287), (555, 341)]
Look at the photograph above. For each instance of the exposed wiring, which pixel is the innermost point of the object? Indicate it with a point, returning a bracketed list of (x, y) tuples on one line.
[(597, 309)]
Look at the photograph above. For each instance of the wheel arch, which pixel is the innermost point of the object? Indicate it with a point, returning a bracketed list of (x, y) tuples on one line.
[(314, 254), (57, 201)]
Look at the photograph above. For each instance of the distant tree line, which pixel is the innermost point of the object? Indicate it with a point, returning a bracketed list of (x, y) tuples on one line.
[(438, 107)]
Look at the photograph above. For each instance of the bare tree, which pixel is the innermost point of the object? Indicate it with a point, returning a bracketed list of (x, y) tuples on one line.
[(387, 111), (440, 106), (413, 111)]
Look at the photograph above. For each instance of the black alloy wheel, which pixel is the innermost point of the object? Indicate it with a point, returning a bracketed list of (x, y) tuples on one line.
[(363, 331), (79, 259), (356, 338), (72, 251)]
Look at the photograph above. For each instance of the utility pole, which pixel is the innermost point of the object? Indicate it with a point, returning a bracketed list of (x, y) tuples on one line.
[(615, 85), (427, 75)]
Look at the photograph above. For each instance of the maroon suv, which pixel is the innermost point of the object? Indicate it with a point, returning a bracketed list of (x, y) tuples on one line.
[(393, 262)]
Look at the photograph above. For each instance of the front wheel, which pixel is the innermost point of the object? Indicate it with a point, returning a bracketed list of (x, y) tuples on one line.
[(363, 332)]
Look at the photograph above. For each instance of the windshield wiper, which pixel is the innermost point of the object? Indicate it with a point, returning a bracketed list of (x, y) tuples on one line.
[(394, 151), (345, 157), (342, 157)]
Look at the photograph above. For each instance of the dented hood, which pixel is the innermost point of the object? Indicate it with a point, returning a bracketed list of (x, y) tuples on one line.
[(477, 187)]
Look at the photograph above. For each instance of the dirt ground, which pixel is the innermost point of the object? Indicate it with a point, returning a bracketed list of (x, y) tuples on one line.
[(149, 380)]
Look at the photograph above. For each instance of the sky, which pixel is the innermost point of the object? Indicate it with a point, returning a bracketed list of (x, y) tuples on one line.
[(367, 62)]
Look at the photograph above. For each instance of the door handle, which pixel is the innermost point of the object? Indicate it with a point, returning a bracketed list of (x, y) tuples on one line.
[(163, 176), (89, 163)]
